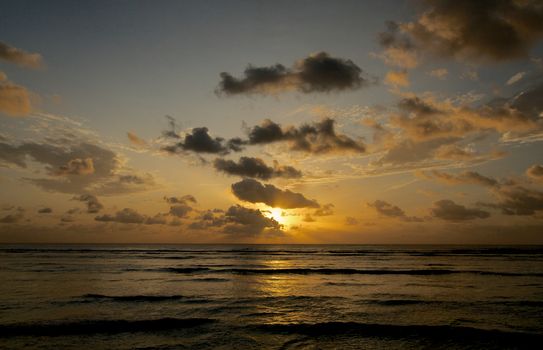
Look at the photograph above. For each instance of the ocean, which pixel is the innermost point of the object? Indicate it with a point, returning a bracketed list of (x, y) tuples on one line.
[(270, 297)]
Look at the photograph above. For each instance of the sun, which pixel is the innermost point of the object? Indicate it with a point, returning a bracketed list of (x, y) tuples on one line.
[(277, 215)]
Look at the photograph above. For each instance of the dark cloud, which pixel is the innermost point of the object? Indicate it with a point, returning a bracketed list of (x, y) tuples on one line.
[(517, 200), (317, 73), (237, 220), (45, 211), (20, 57), (181, 206), (393, 211), (319, 137), (181, 200), (513, 199), (535, 172), (448, 210), (387, 209), (325, 210), (93, 205), (255, 168), (250, 190), (198, 140), (243, 220), (131, 216), (13, 218), (472, 30), (125, 216)]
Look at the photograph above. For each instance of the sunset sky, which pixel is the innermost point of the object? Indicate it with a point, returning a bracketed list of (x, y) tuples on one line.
[(271, 122)]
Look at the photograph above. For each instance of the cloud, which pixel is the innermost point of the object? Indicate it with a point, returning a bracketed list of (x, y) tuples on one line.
[(387, 209), (45, 211), (13, 218), (397, 78), (470, 30), (513, 199), (93, 205), (466, 177), (393, 211), (255, 168), (448, 210), (516, 78), (76, 167), (181, 200), (181, 206), (535, 172), (439, 73), (20, 57), (15, 100), (318, 138), (325, 210), (351, 221), (238, 220), (517, 200), (316, 73), (131, 216), (135, 140), (198, 140), (250, 190)]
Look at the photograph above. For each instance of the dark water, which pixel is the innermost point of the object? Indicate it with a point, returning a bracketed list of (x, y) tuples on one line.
[(270, 297)]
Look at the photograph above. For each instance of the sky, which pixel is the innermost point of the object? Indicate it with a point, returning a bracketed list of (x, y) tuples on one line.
[(374, 122)]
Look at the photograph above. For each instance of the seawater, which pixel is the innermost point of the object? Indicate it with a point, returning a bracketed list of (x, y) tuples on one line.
[(270, 297)]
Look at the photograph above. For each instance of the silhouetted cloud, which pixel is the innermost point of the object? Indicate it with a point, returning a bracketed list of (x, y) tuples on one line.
[(514, 199), (517, 200), (448, 210), (253, 191), (317, 73), (20, 57), (180, 206), (387, 209), (45, 211), (131, 216), (393, 211), (470, 30), (198, 140), (319, 137), (255, 168), (93, 205), (325, 210), (237, 220)]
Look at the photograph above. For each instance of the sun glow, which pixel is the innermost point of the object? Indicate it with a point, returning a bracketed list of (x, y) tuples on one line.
[(277, 215)]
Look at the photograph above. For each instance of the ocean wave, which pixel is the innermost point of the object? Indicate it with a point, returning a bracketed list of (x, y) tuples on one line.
[(86, 327), (134, 298), (347, 271), (442, 333)]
